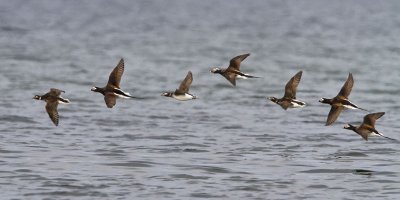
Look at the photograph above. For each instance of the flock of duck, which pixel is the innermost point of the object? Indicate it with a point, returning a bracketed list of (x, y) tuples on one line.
[(112, 91)]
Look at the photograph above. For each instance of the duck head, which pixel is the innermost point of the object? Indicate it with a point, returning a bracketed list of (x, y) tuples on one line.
[(167, 94), (325, 100), (216, 70), (37, 97), (273, 99), (349, 127)]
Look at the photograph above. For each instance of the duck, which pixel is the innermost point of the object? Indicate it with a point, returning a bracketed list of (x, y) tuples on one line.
[(367, 128), (341, 101), (182, 93), (289, 98), (52, 99), (233, 71), (112, 90)]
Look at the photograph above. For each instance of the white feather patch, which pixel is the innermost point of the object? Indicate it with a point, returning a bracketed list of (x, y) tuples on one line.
[(62, 102), (297, 104), (349, 107), (183, 97), (241, 77), (121, 96)]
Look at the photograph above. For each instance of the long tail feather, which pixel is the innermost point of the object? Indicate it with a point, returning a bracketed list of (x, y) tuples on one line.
[(389, 138), (132, 97), (386, 137), (363, 109), (251, 76)]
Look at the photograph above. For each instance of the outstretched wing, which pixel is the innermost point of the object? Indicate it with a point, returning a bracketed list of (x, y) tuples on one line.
[(185, 84), (110, 100), (234, 64), (116, 74), (51, 108), (333, 114), (291, 86), (348, 85), (370, 119), (285, 105), (230, 76)]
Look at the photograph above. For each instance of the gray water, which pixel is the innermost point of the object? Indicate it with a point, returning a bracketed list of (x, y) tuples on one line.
[(231, 143)]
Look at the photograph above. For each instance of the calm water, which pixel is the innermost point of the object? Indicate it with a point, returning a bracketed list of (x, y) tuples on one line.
[(228, 144)]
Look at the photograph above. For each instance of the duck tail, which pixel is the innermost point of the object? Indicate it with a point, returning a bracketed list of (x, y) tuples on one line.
[(380, 134), (251, 76), (363, 109)]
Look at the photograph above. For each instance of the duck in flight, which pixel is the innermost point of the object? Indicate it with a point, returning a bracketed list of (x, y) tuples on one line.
[(289, 98), (233, 71), (52, 99), (367, 128), (112, 90), (182, 93), (341, 101)]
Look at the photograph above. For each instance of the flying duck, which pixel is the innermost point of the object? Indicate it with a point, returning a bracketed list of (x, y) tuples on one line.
[(112, 90), (52, 99), (182, 93), (233, 71), (367, 128), (340, 102), (289, 98)]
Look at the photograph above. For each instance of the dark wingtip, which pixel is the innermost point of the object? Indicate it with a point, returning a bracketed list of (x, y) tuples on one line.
[(350, 75), (300, 72), (328, 124)]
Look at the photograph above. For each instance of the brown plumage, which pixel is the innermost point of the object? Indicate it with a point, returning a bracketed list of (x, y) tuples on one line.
[(340, 101), (367, 128), (233, 71), (182, 93), (289, 98), (344, 93), (52, 99), (185, 84), (333, 114), (112, 90), (115, 76), (51, 108), (291, 86), (234, 63)]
